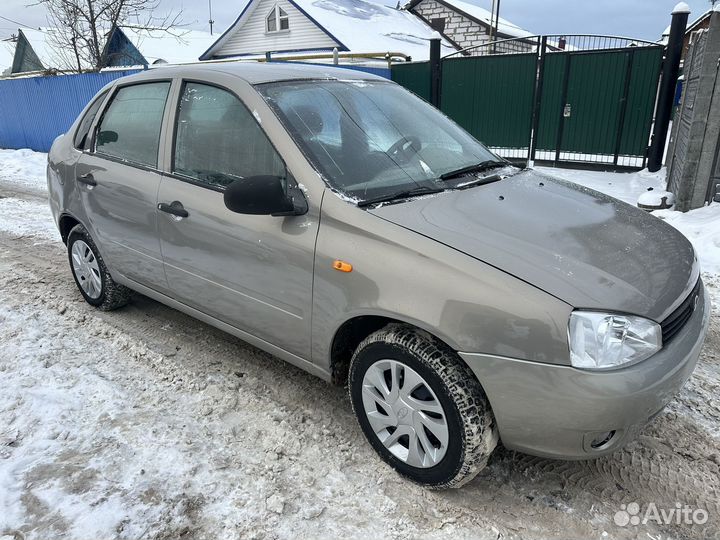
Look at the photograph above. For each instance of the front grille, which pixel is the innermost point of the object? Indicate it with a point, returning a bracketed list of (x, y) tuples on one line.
[(677, 319)]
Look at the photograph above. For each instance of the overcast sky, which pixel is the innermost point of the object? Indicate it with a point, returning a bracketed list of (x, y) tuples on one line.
[(643, 19)]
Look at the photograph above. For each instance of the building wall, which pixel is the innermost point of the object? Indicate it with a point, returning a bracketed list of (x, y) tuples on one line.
[(465, 31), (251, 36), (693, 161), (704, 25), (460, 29)]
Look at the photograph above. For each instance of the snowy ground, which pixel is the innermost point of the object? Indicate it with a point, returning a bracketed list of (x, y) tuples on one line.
[(144, 423)]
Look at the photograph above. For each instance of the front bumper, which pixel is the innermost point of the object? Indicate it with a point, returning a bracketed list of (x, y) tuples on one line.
[(556, 411)]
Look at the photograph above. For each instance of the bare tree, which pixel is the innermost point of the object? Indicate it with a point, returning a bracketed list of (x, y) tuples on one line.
[(82, 27)]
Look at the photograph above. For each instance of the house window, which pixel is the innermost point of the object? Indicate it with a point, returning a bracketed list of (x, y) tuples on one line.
[(277, 20), (438, 24)]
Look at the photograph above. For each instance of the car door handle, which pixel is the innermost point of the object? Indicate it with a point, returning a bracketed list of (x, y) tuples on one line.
[(87, 179), (175, 208)]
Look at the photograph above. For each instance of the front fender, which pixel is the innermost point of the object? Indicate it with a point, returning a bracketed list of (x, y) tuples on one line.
[(399, 274)]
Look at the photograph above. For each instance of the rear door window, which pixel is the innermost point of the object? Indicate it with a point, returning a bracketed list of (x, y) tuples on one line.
[(83, 129), (218, 140), (130, 128)]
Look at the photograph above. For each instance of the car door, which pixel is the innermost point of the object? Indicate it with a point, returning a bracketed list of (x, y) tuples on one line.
[(119, 180), (251, 271)]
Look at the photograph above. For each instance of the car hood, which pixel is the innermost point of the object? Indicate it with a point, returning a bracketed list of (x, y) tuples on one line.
[(583, 247)]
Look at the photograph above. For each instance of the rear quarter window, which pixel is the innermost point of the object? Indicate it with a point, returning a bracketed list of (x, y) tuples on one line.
[(81, 135)]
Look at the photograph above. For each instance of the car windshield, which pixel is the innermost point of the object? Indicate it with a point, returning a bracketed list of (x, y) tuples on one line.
[(373, 139)]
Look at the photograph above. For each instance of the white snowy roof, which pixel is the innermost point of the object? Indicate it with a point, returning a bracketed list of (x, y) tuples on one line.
[(505, 27), (690, 26), (175, 46), (51, 49), (360, 27), (7, 53)]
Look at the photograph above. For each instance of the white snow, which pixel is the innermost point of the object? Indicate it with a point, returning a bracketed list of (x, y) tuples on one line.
[(50, 47), (655, 199), (624, 186), (175, 46), (24, 169), (681, 7), (7, 53), (22, 218)]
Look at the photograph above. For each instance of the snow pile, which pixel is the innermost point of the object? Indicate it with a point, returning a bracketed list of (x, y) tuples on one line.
[(21, 218), (24, 169), (624, 186), (654, 199), (702, 228)]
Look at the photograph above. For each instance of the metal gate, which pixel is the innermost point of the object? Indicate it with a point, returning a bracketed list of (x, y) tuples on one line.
[(583, 99)]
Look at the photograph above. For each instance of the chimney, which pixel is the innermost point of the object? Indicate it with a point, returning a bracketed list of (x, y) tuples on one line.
[(562, 43)]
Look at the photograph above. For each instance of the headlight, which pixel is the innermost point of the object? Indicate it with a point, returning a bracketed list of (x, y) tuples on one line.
[(607, 340)]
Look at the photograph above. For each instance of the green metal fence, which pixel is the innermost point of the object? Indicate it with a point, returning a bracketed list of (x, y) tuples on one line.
[(594, 100), (414, 76), (491, 97)]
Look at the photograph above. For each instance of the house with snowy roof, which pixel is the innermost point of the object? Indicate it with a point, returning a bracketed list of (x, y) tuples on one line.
[(296, 27), (45, 49), (131, 46), (42, 50), (467, 25)]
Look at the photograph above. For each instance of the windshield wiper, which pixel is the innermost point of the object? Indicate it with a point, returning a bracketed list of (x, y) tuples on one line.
[(404, 194), (480, 181), (478, 167)]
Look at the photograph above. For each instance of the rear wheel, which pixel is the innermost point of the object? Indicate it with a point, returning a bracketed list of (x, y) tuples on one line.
[(90, 273), (420, 407)]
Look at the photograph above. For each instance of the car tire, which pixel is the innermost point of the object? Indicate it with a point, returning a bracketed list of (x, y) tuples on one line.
[(90, 273), (398, 377)]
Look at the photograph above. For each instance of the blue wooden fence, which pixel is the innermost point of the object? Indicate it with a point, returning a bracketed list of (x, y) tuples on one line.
[(35, 110)]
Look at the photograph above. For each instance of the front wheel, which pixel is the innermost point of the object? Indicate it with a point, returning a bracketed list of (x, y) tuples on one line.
[(421, 407), (90, 273)]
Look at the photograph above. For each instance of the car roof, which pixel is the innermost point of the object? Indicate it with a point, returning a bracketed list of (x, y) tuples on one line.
[(261, 72)]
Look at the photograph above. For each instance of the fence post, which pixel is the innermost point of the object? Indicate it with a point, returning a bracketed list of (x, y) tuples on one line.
[(537, 100), (435, 82), (670, 71)]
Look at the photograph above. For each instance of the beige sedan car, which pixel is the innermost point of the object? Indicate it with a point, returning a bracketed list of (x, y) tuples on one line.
[(339, 222)]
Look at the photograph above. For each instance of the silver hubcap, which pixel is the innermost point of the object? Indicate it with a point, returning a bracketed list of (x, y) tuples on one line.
[(86, 269), (405, 413)]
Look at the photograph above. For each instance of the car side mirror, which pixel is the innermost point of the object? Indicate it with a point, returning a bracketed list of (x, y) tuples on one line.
[(105, 137), (264, 195)]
